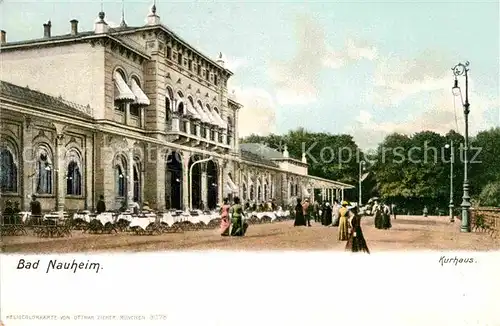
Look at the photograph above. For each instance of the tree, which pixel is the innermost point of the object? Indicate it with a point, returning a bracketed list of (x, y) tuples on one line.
[(490, 195), (485, 167), (333, 157), (413, 171)]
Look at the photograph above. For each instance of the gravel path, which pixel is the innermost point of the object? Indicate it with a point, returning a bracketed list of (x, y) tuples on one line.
[(408, 233)]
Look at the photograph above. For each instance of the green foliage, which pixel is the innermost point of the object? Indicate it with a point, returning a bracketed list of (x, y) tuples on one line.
[(324, 154), (410, 171), (490, 195), (484, 168), (417, 168)]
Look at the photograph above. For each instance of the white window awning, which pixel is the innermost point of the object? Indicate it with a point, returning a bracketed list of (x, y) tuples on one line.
[(191, 111), (204, 117), (140, 97), (122, 91), (213, 120), (232, 184), (220, 123), (227, 189)]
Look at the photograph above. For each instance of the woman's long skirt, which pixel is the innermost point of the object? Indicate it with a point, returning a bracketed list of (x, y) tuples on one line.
[(239, 227), (379, 221), (343, 229), (386, 221), (299, 219), (225, 225), (357, 243)]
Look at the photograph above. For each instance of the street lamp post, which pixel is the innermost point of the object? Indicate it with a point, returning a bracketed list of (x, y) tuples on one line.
[(463, 70), (452, 159), (361, 169), (191, 180)]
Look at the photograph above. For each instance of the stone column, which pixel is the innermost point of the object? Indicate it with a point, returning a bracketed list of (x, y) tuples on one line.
[(198, 131), (220, 182), (88, 184), (185, 180), (175, 123), (142, 122), (342, 195), (127, 113), (27, 165), (130, 176), (61, 173), (249, 182), (204, 186)]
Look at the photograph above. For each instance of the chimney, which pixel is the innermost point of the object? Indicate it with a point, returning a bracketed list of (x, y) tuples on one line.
[(46, 29), (3, 37), (74, 26)]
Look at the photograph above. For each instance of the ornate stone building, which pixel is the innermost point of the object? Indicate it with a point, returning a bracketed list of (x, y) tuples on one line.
[(131, 113)]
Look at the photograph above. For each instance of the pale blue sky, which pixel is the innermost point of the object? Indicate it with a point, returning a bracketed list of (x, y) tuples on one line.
[(281, 49)]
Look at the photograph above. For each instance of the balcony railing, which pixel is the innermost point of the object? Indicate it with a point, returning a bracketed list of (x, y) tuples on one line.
[(201, 133)]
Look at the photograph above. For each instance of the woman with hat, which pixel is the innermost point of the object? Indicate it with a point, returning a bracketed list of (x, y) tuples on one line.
[(299, 214), (239, 226), (356, 242), (344, 213)]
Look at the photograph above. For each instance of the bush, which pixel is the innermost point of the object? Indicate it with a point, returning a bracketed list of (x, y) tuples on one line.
[(490, 195)]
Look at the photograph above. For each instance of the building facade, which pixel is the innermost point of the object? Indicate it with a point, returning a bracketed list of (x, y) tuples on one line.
[(130, 113)]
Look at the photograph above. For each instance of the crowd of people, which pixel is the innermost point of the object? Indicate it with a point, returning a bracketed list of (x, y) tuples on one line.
[(344, 216)]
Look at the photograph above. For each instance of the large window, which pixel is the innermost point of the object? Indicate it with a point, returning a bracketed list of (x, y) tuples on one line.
[(120, 106), (137, 181), (8, 171), (134, 108), (44, 171), (121, 177), (230, 130), (74, 180)]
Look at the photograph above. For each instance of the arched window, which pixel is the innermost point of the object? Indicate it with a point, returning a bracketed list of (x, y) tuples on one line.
[(259, 192), (137, 181), (121, 176), (266, 194), (212, 131), (204, 128), (44, 170), (230, 130), (8, 171), (120, 106), (291, 190), (244, 191), (296, 189), (169, 106), (252, 192), (134, 108), (74, 173)]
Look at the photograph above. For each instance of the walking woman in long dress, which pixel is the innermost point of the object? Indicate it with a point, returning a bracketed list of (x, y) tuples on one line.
[(327, 215), (299, 214), (225, 223), (344, 213), (386, 217), (239, 226), (356, 242), (377, 214)]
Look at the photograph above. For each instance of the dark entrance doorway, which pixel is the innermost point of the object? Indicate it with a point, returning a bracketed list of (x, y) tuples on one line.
[(173, 181), (196, 186), (212, 185)]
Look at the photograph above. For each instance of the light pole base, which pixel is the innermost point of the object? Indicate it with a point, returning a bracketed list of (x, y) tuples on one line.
[(452, 216)]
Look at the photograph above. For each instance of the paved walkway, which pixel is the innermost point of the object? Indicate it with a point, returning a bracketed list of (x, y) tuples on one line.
[(408, 233)]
